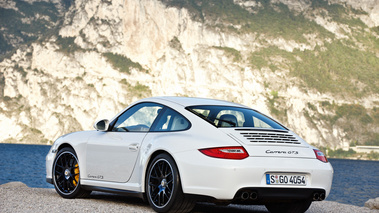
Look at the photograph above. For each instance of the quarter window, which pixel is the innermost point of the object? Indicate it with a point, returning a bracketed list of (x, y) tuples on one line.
[(171, 120)]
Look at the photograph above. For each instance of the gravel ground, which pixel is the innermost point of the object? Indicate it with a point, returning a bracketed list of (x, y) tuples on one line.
[(17, 197)]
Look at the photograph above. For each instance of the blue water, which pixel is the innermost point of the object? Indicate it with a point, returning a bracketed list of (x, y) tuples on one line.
[(354, 181), (25, 163)]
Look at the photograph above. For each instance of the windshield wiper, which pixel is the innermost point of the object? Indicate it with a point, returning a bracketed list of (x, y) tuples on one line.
[(209, 120), (201, 116), (229, 122)]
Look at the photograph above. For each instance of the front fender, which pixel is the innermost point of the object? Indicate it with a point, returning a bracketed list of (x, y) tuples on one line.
[(75, 140)]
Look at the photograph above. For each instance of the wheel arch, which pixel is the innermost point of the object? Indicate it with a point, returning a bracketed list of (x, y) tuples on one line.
[(177, 201), (148, 162), (60, 147), (73, 189), (64, 145)]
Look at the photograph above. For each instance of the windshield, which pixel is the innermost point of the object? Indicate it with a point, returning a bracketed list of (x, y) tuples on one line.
[(226, 116)]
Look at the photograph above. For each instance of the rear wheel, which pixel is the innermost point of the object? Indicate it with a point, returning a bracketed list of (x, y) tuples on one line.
[(163, 188), (66, 174), (293, 207)]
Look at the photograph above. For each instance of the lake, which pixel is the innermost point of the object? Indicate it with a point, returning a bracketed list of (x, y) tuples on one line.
[(354, 181)]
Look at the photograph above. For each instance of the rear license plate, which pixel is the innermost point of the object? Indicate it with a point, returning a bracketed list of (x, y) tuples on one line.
[(286, 179)]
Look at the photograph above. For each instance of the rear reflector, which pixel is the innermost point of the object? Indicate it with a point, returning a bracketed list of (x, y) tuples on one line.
[(320, 155), (235, 152)]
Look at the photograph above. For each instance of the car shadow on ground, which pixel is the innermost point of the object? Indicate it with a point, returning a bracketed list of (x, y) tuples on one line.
[(209, 207), (199, 208)]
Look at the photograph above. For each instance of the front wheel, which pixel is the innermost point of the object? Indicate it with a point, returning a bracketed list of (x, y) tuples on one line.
[(163, 188), (292, 207), (66, 174)]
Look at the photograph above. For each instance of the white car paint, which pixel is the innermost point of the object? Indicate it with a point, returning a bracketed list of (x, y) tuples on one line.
[(119, 160)]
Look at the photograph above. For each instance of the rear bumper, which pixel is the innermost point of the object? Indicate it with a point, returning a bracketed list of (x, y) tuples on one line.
[(224, 179), (264, 195), (49, 180)]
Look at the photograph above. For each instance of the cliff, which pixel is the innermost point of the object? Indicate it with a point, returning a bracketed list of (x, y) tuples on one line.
[(311, 64)]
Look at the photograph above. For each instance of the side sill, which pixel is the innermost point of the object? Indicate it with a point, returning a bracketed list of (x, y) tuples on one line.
[(115, 191)]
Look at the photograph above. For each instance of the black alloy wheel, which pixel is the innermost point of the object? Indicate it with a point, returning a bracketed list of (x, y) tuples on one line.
[(163, 188), (66, 174)]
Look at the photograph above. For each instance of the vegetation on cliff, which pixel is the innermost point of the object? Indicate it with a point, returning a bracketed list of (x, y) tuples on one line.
[(324, 48)]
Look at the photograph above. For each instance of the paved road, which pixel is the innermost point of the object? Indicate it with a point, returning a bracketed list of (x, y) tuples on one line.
[(17, 197)]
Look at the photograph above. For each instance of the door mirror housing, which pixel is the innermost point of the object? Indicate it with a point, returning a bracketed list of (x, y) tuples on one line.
[(101, 125)]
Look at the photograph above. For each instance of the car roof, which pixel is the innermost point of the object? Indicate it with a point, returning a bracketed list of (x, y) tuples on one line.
[(190, 101)]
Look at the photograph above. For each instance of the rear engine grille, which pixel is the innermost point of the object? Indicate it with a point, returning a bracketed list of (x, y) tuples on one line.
[(270, 137)]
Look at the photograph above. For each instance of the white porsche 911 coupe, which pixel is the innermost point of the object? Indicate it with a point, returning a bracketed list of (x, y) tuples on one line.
[(175, 151)]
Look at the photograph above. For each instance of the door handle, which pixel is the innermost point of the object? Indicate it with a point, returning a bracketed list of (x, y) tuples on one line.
[(133, 147)]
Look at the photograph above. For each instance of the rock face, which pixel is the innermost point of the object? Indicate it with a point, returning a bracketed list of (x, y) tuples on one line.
[(66, 81), (19, 24), (372, 203)]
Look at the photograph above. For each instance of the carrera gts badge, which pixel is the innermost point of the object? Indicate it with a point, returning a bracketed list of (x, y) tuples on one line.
[(282, 152)]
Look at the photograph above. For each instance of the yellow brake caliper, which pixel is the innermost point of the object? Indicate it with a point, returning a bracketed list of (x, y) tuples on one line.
[(76, 175)]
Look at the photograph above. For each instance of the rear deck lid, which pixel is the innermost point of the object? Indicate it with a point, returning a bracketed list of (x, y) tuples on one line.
[(270, 142)]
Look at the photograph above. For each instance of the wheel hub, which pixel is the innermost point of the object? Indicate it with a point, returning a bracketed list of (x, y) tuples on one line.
[(164, 183), (162, 186), (67, 174)]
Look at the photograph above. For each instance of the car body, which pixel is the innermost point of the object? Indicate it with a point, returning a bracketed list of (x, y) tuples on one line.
[(174, 151)]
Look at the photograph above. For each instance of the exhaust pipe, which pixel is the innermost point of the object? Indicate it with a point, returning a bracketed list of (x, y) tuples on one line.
[(316, 196), (322, 197), (244, 195), (253, 195)]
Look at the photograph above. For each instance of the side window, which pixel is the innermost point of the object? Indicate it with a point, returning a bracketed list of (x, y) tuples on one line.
[(171, 121), (139, 118)]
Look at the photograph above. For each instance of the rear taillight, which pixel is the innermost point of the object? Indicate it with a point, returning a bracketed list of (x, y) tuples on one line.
[(320, 155), (235, 152)]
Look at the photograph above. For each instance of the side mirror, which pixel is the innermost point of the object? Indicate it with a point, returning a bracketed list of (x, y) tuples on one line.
[(101, 125)]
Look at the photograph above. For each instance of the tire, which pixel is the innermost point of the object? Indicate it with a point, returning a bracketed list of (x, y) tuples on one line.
[(163, 187), (66, 175), (293, 207)]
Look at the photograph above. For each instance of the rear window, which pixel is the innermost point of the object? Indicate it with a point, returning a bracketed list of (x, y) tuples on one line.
[(226, 116)]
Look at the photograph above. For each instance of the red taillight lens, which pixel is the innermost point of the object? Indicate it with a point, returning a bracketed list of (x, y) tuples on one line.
[(235, 152), (320, 156)]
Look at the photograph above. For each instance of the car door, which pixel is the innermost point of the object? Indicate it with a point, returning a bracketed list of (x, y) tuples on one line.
[(111, 155)]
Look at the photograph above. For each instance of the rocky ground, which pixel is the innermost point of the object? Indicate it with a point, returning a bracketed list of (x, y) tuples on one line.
[(17, 197)]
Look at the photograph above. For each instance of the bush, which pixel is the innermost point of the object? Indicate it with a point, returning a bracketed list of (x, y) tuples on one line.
[(273, 20), (139, 90), (338, 69), (340, 153), (262, 58), (373, 140), (122, 63), (67, 45), (175, 43), (373, 155), (24, 32), (231, 53)]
